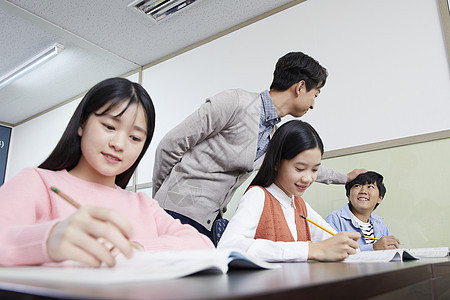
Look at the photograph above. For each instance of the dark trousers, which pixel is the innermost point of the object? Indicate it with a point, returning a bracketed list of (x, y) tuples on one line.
[(195, 224)]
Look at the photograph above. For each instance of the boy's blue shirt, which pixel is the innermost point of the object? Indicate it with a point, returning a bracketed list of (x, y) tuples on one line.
[(342, 220)]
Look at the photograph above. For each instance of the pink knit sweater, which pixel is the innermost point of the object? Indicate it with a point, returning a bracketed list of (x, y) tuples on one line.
[(29, 210)]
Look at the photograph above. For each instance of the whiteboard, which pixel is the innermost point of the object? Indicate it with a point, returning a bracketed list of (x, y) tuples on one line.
[(388, 71)]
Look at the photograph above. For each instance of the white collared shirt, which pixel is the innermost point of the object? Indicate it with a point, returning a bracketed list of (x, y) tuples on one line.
[(241, 230)]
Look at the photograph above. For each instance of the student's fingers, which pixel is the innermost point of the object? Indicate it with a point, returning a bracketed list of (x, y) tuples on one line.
[(350, 234), (113, 227), (353, 246), (322, 251), (112, 216), (82, 229), (395, 242), (350, 241), (77, 254), (380, 244), (384, 239), (108, 233), (74, 253), (95, 248), (391, 241), (386, 242), (59, 241), (335, 248), (69, 242)]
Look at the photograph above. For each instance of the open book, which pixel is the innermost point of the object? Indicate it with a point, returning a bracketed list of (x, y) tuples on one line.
[(143, 267), (380, 256), (397, 254), (430, 252)]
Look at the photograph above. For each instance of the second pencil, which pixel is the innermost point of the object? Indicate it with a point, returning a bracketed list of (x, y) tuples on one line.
[(323, 228)]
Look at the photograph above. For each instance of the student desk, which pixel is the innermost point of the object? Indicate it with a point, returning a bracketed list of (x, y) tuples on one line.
[(427, 278)]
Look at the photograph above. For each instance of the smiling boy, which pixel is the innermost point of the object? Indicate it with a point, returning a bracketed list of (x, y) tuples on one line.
[(364, 194)]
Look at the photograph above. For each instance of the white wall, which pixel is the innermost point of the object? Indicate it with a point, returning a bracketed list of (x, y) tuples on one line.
[(33, 141), (389, 75)]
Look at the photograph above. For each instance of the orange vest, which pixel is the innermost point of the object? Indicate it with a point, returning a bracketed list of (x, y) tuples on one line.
[(273, 226)]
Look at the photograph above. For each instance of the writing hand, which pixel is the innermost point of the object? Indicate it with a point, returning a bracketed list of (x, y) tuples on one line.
[(79, 237), (337, 247)]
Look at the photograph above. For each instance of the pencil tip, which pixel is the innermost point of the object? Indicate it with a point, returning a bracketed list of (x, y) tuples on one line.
[(54, 189), (303, 217)]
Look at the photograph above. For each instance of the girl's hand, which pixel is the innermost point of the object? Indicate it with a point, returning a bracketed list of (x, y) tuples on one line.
[(80, 237), (386, 242), (336, 248)]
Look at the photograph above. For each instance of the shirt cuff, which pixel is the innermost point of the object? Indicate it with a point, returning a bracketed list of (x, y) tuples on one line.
[(296, 251)]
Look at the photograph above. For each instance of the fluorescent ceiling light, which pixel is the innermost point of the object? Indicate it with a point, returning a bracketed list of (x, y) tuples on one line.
[(31, 64)]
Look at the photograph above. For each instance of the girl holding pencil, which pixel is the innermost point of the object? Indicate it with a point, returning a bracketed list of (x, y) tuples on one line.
[(95, 158), (268, 224)]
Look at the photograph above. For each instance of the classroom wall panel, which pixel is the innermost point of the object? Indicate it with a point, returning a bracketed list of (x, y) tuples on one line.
[(417, 201)]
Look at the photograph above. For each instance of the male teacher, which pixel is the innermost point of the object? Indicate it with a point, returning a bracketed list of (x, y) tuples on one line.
[(200, 163)]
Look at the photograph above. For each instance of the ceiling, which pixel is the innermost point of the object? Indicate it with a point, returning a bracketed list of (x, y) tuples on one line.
[(101, 39)]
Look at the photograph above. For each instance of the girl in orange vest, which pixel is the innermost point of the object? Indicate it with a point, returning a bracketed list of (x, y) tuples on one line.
[(267, 222)]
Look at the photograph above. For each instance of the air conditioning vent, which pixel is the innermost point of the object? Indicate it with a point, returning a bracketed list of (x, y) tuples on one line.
[(160, 9)]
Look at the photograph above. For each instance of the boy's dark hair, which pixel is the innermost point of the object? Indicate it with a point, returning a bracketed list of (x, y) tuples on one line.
[(67, 152), (369, 177), (296, 66), (288, 141)]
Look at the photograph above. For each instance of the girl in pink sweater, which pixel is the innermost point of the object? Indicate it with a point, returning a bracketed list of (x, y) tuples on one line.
[(95, 158)]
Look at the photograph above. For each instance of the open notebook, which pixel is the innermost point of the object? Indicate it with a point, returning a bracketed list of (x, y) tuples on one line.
[(397, 254), (143, 267)]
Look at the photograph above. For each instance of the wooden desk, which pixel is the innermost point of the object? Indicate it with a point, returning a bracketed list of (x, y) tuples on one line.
[(423, 279)]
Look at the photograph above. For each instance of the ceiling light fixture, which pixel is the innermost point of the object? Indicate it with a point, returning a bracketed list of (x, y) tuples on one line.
[(31, 64), (160, 9)]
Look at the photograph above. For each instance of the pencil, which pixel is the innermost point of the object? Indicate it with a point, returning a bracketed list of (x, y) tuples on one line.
[(65, 197), (102, 241), (370, 238), (323, 228)]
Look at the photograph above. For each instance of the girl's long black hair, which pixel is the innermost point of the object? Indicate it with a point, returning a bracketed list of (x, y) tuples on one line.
[(288, 141), (67, 152)]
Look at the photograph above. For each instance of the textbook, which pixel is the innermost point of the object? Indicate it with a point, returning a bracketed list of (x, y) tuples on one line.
[(380, 256), (143, 267), (430, 252), (397, 255)]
